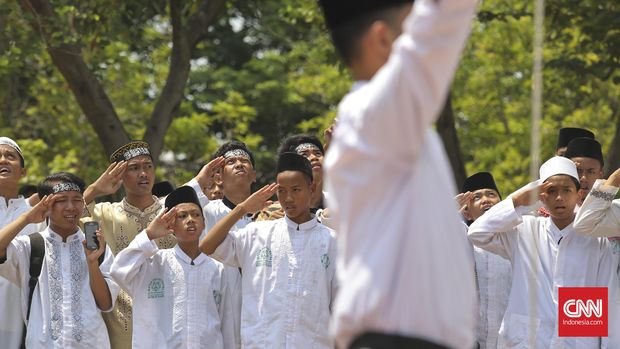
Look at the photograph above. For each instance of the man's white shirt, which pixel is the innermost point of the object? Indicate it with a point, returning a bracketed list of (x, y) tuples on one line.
[(63, 312), (401, 254), (288, 282)]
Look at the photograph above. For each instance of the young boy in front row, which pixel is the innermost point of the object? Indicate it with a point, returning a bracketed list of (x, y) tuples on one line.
[(545, 253), (73, 287), (179, 295), (288, 279)]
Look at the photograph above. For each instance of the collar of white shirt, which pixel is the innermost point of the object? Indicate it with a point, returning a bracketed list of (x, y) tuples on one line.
[(185, 258), (77, 236), (15, 202), (303, 226)]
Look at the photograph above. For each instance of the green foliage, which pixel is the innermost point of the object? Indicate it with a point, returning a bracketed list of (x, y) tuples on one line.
[(267, 70)]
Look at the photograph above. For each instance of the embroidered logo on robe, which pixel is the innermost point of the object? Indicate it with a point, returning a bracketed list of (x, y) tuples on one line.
[(263, 259), (325, 260), (217, 297), (156, 288)]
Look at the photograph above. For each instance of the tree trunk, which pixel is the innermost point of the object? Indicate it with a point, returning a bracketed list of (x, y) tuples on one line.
[(447, 130), (87, 90)]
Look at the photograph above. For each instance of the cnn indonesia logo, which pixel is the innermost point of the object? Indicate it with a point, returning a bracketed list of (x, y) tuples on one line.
[(582, 312)]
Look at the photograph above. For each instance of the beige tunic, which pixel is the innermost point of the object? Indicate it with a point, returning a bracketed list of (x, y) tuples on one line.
[(120, 223)]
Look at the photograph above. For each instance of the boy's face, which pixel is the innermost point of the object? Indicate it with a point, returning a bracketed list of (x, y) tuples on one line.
[(561, 197), (482, 201), (589, 170), (138, 178), (10, 166), (315, 156), (294, 193), (238, 171), (189, 223), (67, 209)]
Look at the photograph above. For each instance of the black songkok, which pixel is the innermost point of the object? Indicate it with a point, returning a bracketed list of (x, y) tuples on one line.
[(339, 12), (480, 180), (584, 147), (294, 162), (567, 134), (161, 189), (182, 195), (130, 150)]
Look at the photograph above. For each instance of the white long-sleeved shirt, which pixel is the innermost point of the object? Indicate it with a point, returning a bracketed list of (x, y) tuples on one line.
[(288, 282), (401, 254), (11, 324), (63, 313), (543, 258), (600, 213), (494, 277), (177, 302)]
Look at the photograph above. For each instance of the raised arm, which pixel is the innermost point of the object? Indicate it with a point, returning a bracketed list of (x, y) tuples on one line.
[(600, 213), (204, 179), (35, 215), (108, 183), (496, 230), (98, 284), (256, 202)]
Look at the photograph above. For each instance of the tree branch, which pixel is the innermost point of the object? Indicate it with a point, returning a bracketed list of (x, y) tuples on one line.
[(184, 40), (86, 89), (447, 130)]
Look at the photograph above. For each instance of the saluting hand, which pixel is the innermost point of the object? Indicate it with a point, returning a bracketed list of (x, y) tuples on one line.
[(205, 176), (41, 210), (462, 200), (529, 196), (260, 199), (162, 224), (111, 179)]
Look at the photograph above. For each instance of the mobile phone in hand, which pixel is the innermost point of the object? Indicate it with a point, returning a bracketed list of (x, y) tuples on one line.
[(90, 230)]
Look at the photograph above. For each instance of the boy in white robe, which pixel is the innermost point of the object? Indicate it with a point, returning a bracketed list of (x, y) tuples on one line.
[(74, 286), (493, 273), (179, 295), (288, 279), (545, 254)]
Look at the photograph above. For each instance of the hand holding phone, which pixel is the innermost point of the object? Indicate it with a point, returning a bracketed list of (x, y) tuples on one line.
[(90, 230)]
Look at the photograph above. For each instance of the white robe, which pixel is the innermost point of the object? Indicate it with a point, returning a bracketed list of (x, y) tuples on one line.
[(63, 313), (177, 302), (288, 282), (543, 258), (400, 248), (11, 324), (494, 277)]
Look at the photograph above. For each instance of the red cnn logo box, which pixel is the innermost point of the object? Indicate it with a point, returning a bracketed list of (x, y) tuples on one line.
[(582, 312)]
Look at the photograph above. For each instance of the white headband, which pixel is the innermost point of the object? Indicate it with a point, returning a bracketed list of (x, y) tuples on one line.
[(306, 146), (132, 153), (237, 153), (65, 186)]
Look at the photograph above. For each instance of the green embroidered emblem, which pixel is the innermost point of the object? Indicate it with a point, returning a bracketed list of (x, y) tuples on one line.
[(156, 288), (325, 260), (264, 257), (217, 297)]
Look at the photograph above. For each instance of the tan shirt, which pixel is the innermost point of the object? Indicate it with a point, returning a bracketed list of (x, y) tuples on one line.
[(120, 223)]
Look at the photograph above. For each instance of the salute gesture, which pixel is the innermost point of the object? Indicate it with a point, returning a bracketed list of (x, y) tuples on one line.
[(260, 199), (108, 183), (530, 194), (205, 176), (162, 224), (41, 210)]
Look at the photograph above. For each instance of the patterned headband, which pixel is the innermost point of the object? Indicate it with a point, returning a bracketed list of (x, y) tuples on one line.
[(306, 146), (134, 152), (65, 186), (237, 153)]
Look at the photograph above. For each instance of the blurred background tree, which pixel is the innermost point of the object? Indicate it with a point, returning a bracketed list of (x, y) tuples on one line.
[(79, 78)]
